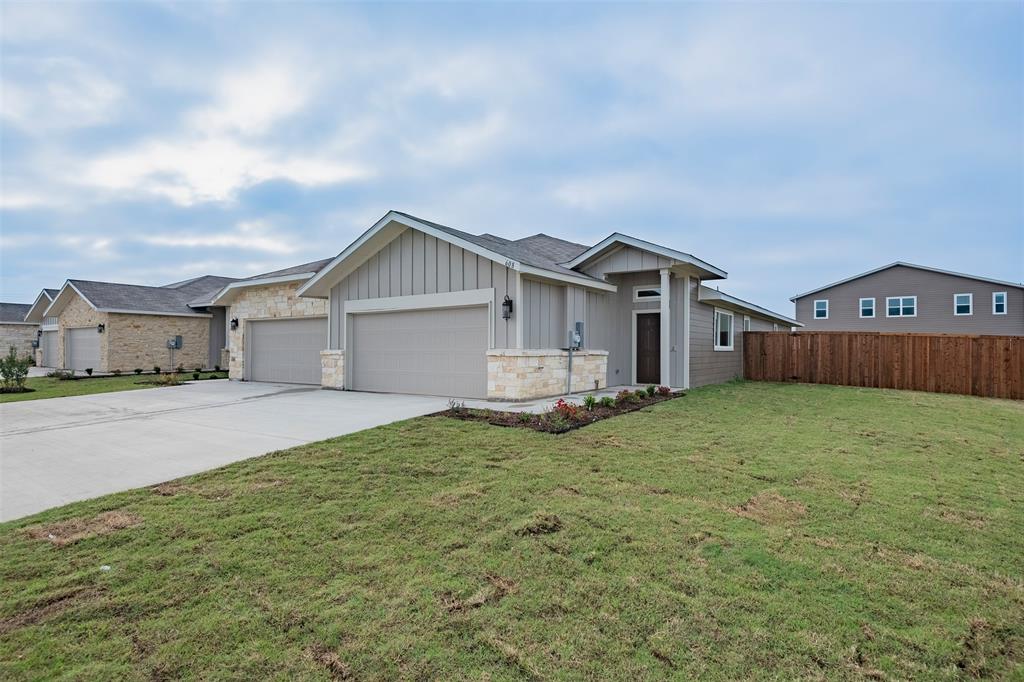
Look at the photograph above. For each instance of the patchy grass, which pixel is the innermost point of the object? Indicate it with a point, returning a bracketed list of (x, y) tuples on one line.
[(51, 387), (745, 531)]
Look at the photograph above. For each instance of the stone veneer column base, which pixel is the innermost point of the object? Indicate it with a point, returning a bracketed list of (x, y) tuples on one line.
[(39, 357), (332, 363), (526, 374)]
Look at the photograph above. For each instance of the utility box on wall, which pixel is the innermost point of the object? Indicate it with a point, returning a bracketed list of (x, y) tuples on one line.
[(174, 343)]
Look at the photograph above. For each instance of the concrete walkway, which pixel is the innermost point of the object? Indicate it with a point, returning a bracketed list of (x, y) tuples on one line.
[(61, 450)]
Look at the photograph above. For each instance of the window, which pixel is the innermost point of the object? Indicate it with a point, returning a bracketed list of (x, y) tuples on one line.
[(746, 323), (646, 293), (963, 304), (821, 310), (999, 303), (723, 330), (775, 326), (901, 306), (867, 307)]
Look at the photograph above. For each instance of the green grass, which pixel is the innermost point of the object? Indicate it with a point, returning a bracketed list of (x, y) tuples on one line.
[(51, 387), (744, 531)]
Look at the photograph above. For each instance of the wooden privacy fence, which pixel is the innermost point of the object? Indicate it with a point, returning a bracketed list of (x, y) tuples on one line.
[(991, 366)]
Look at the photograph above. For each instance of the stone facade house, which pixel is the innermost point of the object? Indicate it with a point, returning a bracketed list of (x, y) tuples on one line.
[(107, 327), (46, 348), (413, 306), (15, 330)]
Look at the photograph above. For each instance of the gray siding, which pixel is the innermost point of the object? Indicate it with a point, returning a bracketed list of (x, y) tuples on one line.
[(934, 293), (416, 263), (626, 259), (708, 366), (544, 315), (218, 335), (610, 320)]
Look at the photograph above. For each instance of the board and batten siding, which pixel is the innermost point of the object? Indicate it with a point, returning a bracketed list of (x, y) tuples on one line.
[(707, 365), (544, 315), (934, 291), (415, 263), (627, 259)]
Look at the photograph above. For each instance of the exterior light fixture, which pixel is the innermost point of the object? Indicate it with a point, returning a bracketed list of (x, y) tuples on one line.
[(234, 323), (100, 328), (506, 308)]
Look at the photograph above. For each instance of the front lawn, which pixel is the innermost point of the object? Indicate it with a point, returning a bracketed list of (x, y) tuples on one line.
[(51, 387), (743, 531)]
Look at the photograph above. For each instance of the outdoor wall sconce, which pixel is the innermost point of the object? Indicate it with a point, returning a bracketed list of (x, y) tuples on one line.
[(100, 328), (39, 333), (234, 323), (506, 308)]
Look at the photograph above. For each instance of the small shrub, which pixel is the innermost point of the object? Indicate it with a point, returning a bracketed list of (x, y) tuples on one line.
[(66, 375), (198, 369), (138, 370), (650, 390), (156, 369), (167, 380), (116, 372), (664, 391), (525, 417), (589, 402), (556, 422), (195, 375), (456, 407), (13, 371), (88, 370), (623, 396), (181, 369), (607, 401), (216, 368)]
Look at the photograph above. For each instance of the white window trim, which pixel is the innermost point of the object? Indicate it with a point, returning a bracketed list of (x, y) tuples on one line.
[(860, 308), (970, 303), (814, 309), (641, 287), (732, 330), (746, 323), (1006, 302), (901, 306)]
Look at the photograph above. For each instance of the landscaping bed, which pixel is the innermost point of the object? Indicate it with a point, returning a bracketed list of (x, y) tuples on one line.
[(565, 416)]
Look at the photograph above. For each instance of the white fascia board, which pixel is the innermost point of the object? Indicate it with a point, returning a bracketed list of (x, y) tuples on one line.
[(42, 302), (618, 237), (562, 277), (60, 301), (395, 217), (452, 299), (1000, 282), (707, 295), (247, 283)]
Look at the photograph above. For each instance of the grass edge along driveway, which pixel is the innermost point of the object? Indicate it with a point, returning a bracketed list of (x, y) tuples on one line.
[(51, 387), (745, 531)]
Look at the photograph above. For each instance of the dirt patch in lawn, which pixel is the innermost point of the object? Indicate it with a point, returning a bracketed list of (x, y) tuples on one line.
[(330, 660), (71, 531), (542, 524), (46, 609), (770, 508), (495, 590)]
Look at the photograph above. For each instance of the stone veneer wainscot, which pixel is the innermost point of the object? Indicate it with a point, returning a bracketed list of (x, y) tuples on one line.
[(541, 373), (332, 363)]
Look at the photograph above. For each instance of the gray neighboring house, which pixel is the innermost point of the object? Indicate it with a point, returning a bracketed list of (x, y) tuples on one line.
[(902, 297), (46, 353), (15, 330), (413, 306)]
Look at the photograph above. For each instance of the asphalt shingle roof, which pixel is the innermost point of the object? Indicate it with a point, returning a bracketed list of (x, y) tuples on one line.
[(14, 312), (312, 266), (167, 299)]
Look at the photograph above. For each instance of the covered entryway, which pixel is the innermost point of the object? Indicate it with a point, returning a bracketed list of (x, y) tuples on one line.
[(648, 348), (286, 351), (82, 349), (48, 343), (438, 351)]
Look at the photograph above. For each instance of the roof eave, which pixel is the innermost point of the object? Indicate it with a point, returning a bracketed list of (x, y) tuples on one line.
[(715, 296), (708, 270), (226, 295)]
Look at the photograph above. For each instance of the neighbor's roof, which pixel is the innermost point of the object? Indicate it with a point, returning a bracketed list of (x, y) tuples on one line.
[(708, 295), (39, 306), (299, 272), (916, 267), (305, 268), (14, 312), (179, 298)]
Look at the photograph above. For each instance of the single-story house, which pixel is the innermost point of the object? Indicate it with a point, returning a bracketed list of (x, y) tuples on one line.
[(903, 297), (15, 330), (46, 352), (273, 334), (108, 326), (412, 306)]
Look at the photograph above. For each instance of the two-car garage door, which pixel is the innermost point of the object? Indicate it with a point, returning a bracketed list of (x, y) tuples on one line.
[(430, 352), (287, 350)]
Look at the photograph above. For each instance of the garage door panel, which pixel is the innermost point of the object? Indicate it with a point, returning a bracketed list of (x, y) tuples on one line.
[(431, 352), (82, 348), (48, 342), (287, 351)]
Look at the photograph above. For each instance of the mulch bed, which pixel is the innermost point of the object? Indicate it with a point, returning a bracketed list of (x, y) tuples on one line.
[(555, 421), (15, 389)]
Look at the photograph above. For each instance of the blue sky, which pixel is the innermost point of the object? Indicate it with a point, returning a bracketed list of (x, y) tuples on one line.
[(790, 144)]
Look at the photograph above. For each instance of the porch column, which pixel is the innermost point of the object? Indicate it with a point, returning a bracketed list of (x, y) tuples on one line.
[(666, 327)]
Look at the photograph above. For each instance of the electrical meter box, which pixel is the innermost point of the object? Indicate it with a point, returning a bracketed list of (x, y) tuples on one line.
[(174, 343), (577, 335)]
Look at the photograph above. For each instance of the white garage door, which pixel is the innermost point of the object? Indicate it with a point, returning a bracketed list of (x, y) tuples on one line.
[(287, 351), (429, 352), (48, 343), (82, 348)]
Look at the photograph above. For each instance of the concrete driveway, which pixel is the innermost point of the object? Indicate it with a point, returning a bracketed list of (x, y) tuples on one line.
[(64, 449)]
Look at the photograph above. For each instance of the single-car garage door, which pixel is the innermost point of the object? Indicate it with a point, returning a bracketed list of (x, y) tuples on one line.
[(82, 348), (287, 351), (48, 343), (429, 352)]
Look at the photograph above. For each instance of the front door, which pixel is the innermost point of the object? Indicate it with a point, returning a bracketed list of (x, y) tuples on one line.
[(648, 348)]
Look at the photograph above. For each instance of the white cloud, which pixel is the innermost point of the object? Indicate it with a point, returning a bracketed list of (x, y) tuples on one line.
[(250, 102), (52, 93), (462, 142), (252, 235)]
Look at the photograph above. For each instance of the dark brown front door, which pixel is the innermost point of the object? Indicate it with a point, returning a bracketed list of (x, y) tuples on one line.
[(648, 348)]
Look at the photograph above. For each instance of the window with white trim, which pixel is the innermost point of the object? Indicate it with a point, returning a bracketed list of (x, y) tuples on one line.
[(775, 326), (998, 302), (723, 330), (821, 309), (867, 307), (646, 293), (901, 306), (963, 304), (746, 323)]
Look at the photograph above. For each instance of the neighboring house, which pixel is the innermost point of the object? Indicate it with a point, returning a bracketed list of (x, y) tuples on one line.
[(273, 335), (416, 307), (902, 297), (15, 330), (46, 353), (108, 326)]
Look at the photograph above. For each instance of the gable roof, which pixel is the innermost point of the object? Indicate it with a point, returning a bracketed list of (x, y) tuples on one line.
[(177, 299), (615, 239), (39, 306), (898, 263), (714, 296), (295, 273), (14, 313)]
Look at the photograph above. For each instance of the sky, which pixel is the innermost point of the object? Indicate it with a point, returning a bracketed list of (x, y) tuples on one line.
[(788, 144)]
